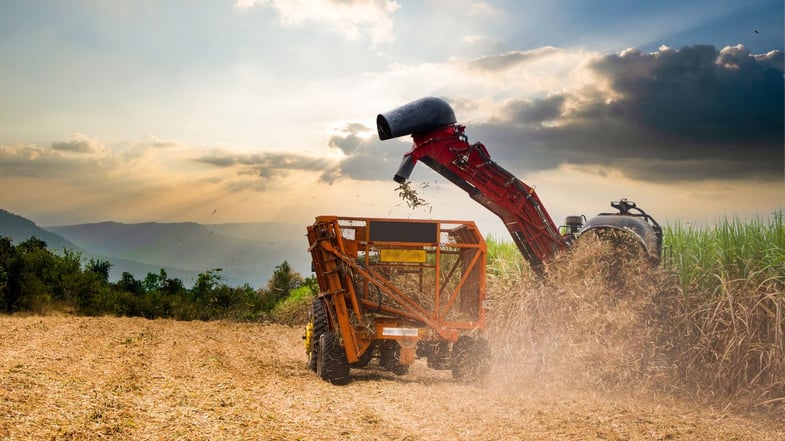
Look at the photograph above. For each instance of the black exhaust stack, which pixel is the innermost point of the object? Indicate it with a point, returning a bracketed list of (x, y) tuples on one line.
[(416, 117)]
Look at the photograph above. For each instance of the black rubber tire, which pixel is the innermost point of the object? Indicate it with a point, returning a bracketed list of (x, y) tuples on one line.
[(471, 359), (332, 364), (319, 319)]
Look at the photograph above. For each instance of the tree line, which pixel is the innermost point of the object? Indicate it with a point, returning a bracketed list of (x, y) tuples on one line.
[(34, 279)]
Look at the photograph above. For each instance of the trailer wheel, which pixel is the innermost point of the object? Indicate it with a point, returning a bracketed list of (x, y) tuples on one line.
[(319, 320), (332, 364), (471, 359)]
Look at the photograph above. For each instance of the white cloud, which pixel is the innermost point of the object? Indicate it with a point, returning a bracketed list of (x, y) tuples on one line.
[(351, 18), (483, 9), (78, 143)]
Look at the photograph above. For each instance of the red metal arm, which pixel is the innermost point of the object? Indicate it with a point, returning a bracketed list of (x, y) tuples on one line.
[(470, 167)]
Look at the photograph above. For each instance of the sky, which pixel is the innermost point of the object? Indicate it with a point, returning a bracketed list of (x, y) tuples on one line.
[(222, 111)]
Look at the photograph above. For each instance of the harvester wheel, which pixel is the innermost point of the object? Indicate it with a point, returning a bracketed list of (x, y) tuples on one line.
[(319, 321), (471, 359), (332, 364)]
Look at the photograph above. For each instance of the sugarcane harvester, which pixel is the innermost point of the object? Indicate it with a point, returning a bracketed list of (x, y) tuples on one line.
[(441, 144), (394, 290)]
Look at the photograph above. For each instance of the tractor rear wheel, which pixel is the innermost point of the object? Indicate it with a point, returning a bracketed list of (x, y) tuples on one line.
[(332, 364), (319, 321), (471, 358)]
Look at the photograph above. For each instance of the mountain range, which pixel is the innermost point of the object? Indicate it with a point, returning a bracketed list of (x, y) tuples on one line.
[(245, 252)]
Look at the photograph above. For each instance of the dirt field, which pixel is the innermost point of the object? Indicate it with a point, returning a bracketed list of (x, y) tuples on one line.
[(76, 378)]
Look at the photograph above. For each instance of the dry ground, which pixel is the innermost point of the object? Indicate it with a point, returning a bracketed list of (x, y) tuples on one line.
[(120, 378)]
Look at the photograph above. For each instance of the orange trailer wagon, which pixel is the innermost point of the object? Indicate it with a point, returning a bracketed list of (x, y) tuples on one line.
[(393, 290)]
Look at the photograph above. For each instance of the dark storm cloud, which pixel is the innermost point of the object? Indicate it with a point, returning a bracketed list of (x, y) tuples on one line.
[(496, 63), (535, 112), (692, 114), (699, 94)]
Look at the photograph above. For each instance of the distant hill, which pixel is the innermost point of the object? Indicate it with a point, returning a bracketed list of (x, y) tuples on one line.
[(246, 252), (19, 229)]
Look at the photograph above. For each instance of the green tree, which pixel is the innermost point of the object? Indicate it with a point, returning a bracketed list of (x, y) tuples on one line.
[(100, 268), (7, 257), (167, 297), (154, 282), (130, 285), (174, 287), (68, 275), (38, 274), (283, 281), (311, 283), (205, 283)]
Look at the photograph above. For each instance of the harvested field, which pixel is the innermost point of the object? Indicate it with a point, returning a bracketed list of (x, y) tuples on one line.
[(75, 378)]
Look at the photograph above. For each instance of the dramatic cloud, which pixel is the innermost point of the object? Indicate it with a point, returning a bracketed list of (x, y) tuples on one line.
[(350, 18), (264, 166), (533, 112), (699, 94), (351, 141), (687, 115), (83, 159), (690, 114), (367, 158), (772, 58)]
